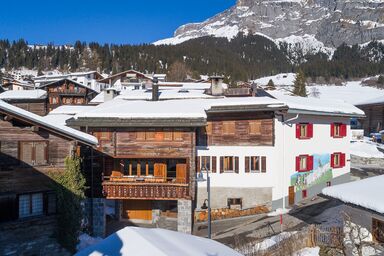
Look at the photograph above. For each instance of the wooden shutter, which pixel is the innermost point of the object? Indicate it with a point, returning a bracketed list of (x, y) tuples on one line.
[(255, 127), (342, 159), (298, 163), (236, 164), (309, 130), (213, 167), (26, 152), (9, 208), (198, 164), (150, 135), (140, 135), (263, 164), (209, 128), (41, 153), (167, 135), (332, 160), (298, 131), (221, 164), (177, 135), (159, 136), (228, 127), (181, 173), (332, 130), (343, 130), (309, 163), (247, 164)]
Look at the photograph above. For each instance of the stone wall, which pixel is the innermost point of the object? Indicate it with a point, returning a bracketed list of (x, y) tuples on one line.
[(184, 216), (30, 237)]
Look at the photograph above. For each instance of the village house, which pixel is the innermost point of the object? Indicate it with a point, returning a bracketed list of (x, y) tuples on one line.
[(9, 83), (363, 212), (34, 101), (258, 150), (88, 79), (127, 80), (31, 147), (67, 92), (374, 111)]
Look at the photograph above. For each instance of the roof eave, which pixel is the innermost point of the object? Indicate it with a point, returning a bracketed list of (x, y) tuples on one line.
[(323, 113)]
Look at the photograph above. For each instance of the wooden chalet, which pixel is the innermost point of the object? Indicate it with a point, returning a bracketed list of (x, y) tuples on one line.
[(67, 92), (30, 147), (374, 112), (126, 79), (34, 101)]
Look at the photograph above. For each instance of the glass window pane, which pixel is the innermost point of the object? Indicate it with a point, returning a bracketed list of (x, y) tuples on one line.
[(24, 206), (37, 204)]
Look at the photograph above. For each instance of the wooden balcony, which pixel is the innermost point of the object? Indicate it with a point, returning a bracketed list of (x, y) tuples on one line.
[(149, 189)]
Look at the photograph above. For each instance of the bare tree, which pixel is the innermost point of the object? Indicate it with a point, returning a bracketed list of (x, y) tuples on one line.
[(178, 71)]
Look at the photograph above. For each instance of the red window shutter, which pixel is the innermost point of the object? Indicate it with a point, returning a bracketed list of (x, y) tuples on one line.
[(298, 163), (236, 164), (310, 130), (213, 167), (332, 160), (221, 164), (342, 160), (343, 130), (332, 130), (309, 163), (298, 131), (247, 164)]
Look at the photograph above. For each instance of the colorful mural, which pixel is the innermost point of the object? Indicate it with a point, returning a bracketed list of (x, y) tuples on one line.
[(321, 173)]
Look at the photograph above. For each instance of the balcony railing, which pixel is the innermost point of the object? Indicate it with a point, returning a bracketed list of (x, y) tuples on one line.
[(153, 190)]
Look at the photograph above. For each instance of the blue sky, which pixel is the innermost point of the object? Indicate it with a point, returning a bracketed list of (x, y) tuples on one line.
[(113, 21)]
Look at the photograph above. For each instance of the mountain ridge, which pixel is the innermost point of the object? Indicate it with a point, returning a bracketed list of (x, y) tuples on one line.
[(320, 25)]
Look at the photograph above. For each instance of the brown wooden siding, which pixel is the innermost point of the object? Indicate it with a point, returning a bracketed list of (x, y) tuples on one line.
[(374, 120), (254, 129), (17, 176), (38, 108)]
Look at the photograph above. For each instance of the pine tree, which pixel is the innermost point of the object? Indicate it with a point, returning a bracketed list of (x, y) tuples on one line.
[(271, 85), (299, 87)]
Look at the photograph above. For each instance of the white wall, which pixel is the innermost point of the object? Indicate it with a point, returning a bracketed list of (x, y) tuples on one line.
[(281, 158)]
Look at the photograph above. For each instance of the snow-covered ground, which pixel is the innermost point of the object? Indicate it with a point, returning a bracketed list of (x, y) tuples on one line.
[(352, 92), (366, 148), (315, 251)]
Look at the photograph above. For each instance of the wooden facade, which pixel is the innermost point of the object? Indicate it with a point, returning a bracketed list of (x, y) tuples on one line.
[(36, 106), (67, 92), (374, 120), (246, 129), (154, 164)]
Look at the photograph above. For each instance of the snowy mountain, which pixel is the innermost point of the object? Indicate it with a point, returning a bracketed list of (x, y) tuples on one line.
[(301, 26)]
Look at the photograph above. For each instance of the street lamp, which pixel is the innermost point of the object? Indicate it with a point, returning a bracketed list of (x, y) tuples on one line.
[(200, 178)]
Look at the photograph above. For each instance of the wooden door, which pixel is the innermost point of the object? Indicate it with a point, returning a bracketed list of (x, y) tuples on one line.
[(160, 171), (291, 195), (137, 209), (181, 173)]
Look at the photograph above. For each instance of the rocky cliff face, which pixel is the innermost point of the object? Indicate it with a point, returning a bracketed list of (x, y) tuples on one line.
[(326, 23)]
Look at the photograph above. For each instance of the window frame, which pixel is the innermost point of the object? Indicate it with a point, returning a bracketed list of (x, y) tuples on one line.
[(341, 128), (33, 153), (308, 129)]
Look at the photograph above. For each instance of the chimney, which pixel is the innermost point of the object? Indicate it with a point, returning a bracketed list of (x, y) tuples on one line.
[(155, 89), (109, 94), (217, 85)]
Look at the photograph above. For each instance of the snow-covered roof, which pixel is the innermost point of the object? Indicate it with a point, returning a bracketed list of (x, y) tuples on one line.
[(70, 109), (164, 94), (371, 101), (67, 131), (367, 193), (189, 85), (316, 106), (155, 241), (57, 119), (177, 108), (23, 94), (283, 79)]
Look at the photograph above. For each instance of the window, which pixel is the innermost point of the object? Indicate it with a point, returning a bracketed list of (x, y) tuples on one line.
[(205, 163), (30, 205), (228, 127), (378, 230), (304, 163), (104, 136), (328, 183), (140, 135), (255, 127), (304, 193), (304, 131), (255, 164), (150, 135), (235, 203), (229, 164), (337, 160), (33, 152), (338, 130)]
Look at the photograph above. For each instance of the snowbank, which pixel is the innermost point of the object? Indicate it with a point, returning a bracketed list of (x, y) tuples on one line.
[(366, 193), (278, 211), (308, 252), (154, 241), (86, 240)]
